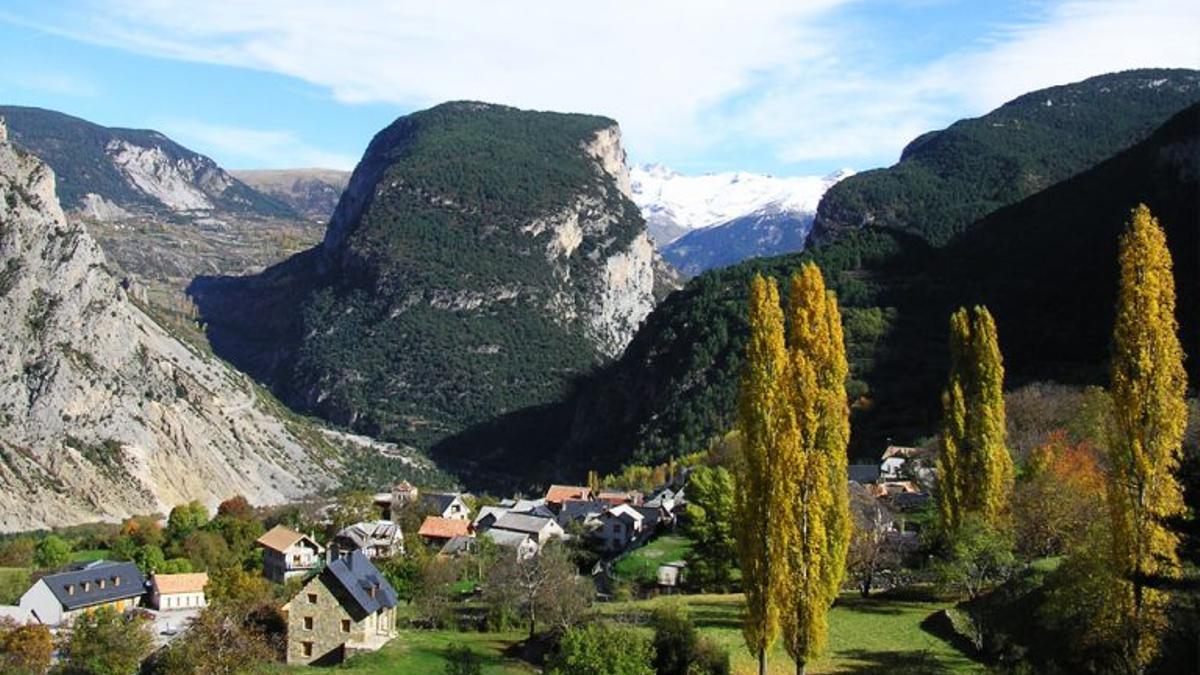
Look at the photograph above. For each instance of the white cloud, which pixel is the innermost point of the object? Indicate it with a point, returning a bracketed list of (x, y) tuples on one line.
[(682, 78), (257, 148)]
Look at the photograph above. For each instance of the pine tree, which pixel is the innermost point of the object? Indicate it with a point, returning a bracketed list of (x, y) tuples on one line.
[(815, 473), (766, 423), (1148, 388), (975, 471)]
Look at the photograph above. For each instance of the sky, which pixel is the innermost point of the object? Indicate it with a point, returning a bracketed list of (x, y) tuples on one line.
[(790, 87)]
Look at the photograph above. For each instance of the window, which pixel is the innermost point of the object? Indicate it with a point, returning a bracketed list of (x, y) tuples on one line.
[(308, 623), (87, 586), (100, 583), (345, 625), (312, 598), (70, 589), (306, 648), (116, 581)]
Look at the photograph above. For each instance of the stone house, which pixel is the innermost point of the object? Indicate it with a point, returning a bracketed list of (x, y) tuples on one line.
[(619, 526), (541, 530), (178, 591), (521, 543), (288, 554), (436, 531), (57, 599), (349, 607)]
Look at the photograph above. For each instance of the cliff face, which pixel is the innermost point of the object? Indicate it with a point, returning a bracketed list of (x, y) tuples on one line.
[(479, 258), (104, 414)]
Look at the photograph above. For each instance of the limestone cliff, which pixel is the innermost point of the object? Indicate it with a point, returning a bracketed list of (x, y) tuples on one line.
[(103, 413)]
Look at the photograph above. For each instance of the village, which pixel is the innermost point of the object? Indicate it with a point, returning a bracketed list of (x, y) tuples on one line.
[(335, 598)]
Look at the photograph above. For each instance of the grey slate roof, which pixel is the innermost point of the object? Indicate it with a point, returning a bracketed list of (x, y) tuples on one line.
[(863, 473), (580, 510), (507, 537), (440, 501), (120, 580), (357, 576), (519, 522), (370, 533), (458, 544)]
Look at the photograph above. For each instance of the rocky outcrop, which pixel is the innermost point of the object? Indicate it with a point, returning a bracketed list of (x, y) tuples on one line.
[(312, 193), (104, 413)]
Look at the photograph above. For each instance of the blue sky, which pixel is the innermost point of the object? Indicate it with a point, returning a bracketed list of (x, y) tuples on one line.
[(783, 87)]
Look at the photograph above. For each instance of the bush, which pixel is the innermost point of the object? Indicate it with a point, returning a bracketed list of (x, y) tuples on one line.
[(460, 660), (709, 658), (52, 552), (674, 639), (600, 649)]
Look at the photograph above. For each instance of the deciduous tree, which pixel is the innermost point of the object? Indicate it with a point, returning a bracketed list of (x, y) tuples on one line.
[(25, 649), (103, 642), (709, 524), (51, 552)]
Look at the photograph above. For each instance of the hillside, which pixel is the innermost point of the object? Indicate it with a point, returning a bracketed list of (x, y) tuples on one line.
[(104, 414), (947, 179), (1045, 265), (312, 193), (479, 258)]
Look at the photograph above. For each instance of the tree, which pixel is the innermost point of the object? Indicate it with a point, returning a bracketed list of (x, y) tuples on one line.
[(1150, 415), (542, 587), (871, 551), (103, 642), (221, 640), (599, 649), (979, 558), (186, 519), (674, 639), (233, 585), (709, 524), (352, 507), (462, 660), (143, 530), (236, 506), (17, 552), (767, 426), (404, 574), (975, 470), (813, 476), (149, 559), (25, 649), (51, 552), (206, 550), (434, 597), (1059, 494)]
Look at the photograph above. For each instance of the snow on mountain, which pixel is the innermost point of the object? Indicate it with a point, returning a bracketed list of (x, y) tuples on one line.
[(768, 215)]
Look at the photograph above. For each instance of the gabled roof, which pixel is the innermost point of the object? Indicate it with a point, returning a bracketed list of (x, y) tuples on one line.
[(437, 527), (623, 512), (508, 537), (558, 494), (367, 588), (180, 583), (439, 501), (456, 545), (902, 451), (518, 522), (494, 512), (280, 538), (578, 509), (105, 581), (370, 533)]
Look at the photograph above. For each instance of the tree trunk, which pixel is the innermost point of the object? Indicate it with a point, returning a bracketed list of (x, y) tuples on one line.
[(762, 662), (801, 667)]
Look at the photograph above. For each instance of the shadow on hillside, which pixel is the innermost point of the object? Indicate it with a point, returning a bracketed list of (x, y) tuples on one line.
[(893, 662)]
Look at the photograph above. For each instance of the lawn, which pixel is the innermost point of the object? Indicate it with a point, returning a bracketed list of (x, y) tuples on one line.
[(423, 653), (865, 635), (641, 565), (88, 555)]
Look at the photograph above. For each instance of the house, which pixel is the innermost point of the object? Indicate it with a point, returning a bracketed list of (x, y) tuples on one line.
[(375, 538), (488, 516), (652, 517), (669, 573), (520, 542), (619, 526), (287, 554), (557, 494), (615, 497), (863, 474), (403, 493), (663, 498), (581, 511), (436, 530), (446, 505), (900, 463), (348, 607), (58, 598), (178, 591), (540, 529), (456, 546)]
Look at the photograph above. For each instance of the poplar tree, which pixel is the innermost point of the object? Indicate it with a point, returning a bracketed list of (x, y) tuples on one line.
[(815, 476), (767, 425), (975, 471), (1150, 413)]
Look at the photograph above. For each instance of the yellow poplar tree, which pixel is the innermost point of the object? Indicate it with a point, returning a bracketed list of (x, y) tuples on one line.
[(975, 471), (1148, 388), (815, 474), (767, 427)]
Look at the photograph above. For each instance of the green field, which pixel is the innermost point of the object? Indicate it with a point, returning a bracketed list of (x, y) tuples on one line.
[(88, 555), (423, 653), (642, 564)]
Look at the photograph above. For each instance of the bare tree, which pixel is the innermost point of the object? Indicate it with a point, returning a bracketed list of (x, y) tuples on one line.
[(543, 587), (871, 550)]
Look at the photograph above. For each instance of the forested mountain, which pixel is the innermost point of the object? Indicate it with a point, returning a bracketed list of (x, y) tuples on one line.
[(947, 179), (479, 258), (1046, 266)]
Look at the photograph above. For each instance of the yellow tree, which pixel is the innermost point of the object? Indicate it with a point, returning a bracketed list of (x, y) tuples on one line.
[(1148, 388), (975, 471), (815, 477), (767, 426)]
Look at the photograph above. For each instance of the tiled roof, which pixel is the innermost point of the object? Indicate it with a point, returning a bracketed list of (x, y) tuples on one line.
[(180, 583), (561, 493), (279, 538), (95, 583), (369, 590), (443, 528)]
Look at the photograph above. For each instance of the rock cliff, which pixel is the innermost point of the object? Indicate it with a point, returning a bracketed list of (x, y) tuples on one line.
[(103, 413)]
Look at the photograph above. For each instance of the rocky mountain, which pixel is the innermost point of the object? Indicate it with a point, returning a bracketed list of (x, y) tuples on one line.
[(947, 179), (312, 193), (1045, 265), (479, 259), (162, 213), (713, 220), (103, 413)]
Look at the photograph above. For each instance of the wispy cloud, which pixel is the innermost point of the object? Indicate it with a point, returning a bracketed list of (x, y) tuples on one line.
[(682, 79), (256, 148)]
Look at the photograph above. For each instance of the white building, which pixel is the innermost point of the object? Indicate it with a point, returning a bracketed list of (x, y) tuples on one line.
[(178, 591)]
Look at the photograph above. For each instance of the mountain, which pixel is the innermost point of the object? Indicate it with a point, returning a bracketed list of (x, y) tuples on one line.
[(713, 220), (312, 193), (480, 257), (947, 179), (162, 213), (1045, 265), (103, 413)]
